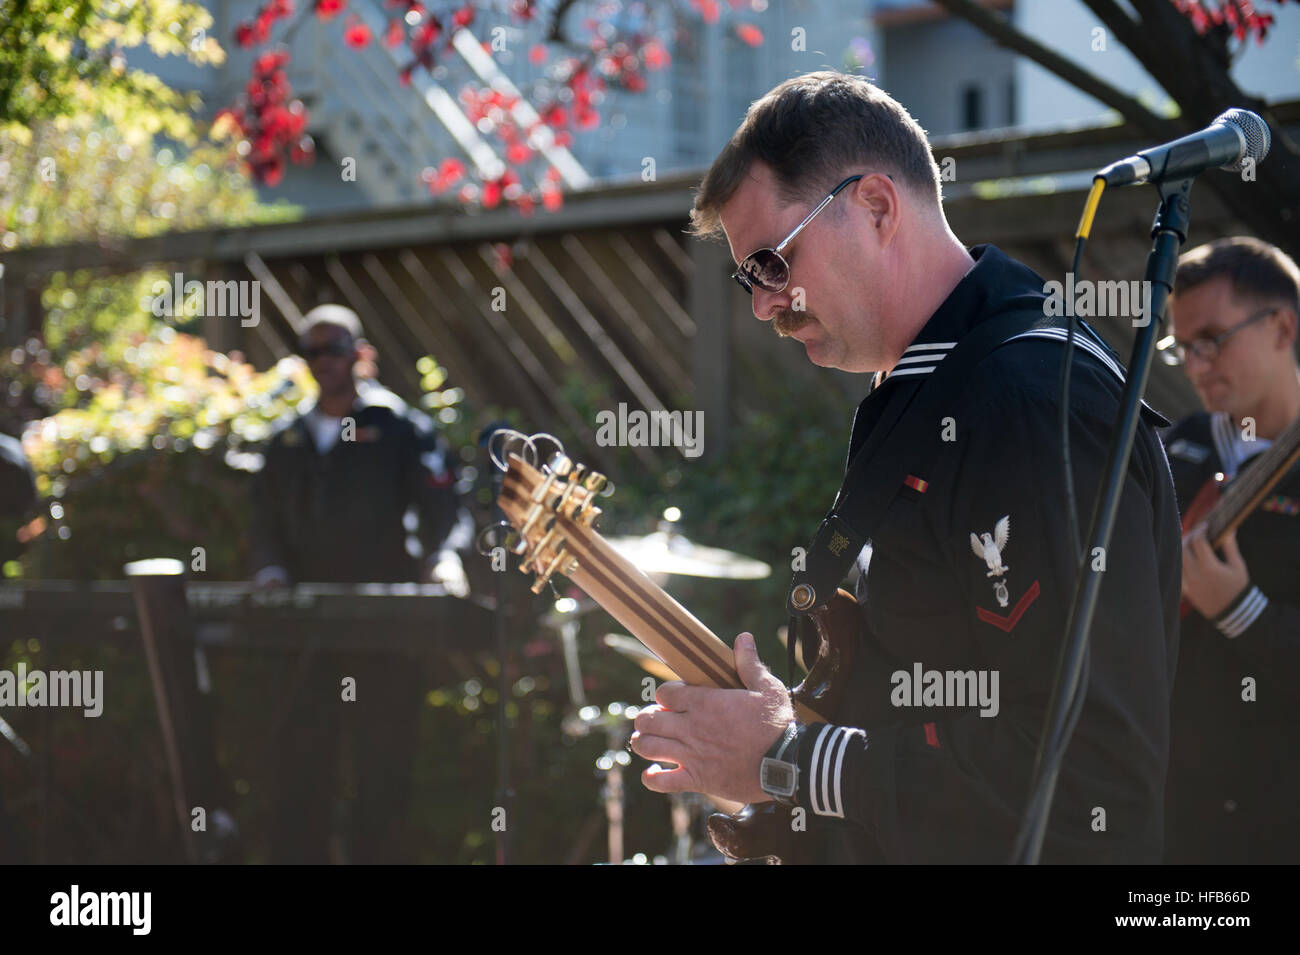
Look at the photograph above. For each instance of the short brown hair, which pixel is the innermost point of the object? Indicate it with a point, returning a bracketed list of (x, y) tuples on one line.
[(809, 130), (1257, 271)]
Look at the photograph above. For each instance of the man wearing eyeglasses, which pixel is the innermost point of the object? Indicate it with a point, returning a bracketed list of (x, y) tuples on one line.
[(829, 198), (1235, 763), (331, 505)]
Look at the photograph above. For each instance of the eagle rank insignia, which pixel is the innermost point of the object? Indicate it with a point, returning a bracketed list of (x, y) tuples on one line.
[(988, 548)]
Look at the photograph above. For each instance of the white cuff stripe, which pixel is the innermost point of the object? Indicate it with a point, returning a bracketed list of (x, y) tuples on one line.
[(1247, 612), (812, 772), (823, 777), (839, 766), (826, 771)]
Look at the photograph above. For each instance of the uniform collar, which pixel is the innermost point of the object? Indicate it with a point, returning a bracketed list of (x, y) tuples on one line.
[(993, 279)]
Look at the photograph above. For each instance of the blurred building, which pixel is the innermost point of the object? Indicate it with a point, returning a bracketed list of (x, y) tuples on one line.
[(952, 78)]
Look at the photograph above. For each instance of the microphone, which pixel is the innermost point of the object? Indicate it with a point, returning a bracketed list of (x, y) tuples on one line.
[(1235, 137)]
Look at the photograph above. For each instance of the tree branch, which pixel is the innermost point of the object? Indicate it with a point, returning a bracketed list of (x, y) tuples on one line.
[(556, 32), (1003, 33)]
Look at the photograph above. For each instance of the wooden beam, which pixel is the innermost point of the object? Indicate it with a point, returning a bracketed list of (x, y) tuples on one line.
[(711, 305), (652, 346)]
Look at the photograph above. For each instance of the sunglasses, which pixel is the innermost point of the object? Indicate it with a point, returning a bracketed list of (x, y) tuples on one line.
[(767, 268), (332, 350)]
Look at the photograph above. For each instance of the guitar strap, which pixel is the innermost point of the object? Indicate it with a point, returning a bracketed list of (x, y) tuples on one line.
[(901, 447)]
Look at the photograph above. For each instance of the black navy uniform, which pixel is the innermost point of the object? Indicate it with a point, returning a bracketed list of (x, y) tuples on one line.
[(338, 516), (1235, 762), (971, 570)]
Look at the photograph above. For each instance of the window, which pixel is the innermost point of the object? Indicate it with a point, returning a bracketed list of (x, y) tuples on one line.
[(972, 107)]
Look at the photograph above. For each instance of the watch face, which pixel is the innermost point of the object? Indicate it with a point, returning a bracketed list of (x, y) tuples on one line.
[(777, 778)]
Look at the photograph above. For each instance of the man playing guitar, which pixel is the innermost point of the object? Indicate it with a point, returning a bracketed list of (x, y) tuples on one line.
[(829, 197), (1235, 747)]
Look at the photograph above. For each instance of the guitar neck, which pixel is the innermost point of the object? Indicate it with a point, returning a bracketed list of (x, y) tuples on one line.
[(671, 631), (667, 628), (1248, 491)]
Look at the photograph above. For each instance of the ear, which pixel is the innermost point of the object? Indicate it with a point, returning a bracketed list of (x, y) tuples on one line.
[(880, 197), (1287, 329)]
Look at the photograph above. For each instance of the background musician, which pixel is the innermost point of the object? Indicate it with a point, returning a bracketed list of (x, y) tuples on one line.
[(1236, 749), (331, 505)]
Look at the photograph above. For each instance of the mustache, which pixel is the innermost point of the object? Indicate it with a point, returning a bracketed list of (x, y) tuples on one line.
[(787, 322)]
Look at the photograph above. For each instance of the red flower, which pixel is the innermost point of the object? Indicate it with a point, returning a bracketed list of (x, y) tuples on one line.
[(709, 10), (491, 194), (551, 197), (750, 34), (272, 171), (518, 154), (245, 35), (537, 55), (357, 34), (395, 33), (329, 8), (655, 56), (464, 16)]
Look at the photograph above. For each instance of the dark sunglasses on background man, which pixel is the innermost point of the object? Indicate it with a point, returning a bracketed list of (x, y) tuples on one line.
[(767, 268), (335, 349)]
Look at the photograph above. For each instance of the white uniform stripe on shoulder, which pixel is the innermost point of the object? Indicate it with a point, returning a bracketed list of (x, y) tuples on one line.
[(918, 370), (930, 346), (1081, 341)]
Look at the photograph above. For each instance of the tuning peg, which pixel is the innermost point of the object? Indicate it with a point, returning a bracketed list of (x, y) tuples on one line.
[(507, 441), (547, 446)]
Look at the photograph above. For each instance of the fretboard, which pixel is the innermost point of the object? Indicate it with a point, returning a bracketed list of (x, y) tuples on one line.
[(1248, 490)]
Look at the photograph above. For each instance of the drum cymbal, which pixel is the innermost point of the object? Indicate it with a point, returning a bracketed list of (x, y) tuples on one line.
[(635, 651), (664, 552)]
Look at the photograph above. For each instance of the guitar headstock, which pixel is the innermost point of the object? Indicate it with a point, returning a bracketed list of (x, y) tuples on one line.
[(535, 496)]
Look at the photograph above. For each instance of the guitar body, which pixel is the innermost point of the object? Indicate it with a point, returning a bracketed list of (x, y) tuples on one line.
[(766, 832)]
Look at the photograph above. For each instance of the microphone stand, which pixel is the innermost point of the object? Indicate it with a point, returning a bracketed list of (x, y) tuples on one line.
[(1168, 232), (505, 795)]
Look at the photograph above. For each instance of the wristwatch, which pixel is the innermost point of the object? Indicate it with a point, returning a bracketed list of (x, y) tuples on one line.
[(778, 774)]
